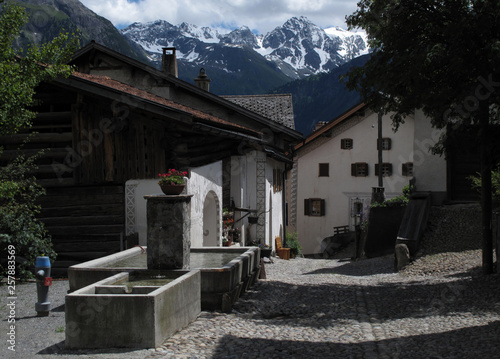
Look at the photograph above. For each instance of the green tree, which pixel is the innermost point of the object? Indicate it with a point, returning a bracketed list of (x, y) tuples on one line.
[(21, 74), (440, 56)]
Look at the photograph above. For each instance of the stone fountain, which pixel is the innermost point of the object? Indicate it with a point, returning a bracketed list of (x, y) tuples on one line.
[(109, 304)]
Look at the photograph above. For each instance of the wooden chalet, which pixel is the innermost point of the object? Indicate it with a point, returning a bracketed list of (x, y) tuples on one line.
[(113, 120)]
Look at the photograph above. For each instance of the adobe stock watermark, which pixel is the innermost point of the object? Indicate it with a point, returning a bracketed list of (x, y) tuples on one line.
[(91, 139)]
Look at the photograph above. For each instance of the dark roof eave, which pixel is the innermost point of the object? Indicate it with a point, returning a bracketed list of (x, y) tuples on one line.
[(225, 132), (116, 94)]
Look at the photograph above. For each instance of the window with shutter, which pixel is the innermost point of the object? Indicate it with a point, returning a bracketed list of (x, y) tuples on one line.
[(314, 207), (386, 144), (386, 169), (407, 169), (346, 144), (359, 169)]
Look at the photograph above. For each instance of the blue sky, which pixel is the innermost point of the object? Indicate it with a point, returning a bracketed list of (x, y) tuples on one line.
[(261, 16)]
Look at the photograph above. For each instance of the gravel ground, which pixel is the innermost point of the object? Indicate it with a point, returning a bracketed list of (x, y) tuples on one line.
[(440, 306)]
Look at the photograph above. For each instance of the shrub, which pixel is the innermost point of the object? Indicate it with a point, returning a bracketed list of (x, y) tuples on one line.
[(292, 242), (396, 201), (18, 225), (495, 183)]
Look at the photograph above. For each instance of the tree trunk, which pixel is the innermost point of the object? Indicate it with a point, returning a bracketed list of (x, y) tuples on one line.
[(380, 159), (486, 191)]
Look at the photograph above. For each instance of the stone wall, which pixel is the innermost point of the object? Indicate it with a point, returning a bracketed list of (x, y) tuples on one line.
[(452, 228)]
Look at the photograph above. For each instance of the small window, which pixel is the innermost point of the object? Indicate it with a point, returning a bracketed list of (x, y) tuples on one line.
[(386, 169), (314, 207), (324, 170), (407, 169), (346, 144), (359, 169), (386, 144), (277, 180)]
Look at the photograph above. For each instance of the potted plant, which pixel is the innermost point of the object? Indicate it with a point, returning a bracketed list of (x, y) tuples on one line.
[(292, 242), (172, 182), (230, 232), (265, 250), (226, 242)]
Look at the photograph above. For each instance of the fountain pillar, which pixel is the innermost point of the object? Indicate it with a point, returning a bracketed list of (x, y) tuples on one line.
[(169, 235)]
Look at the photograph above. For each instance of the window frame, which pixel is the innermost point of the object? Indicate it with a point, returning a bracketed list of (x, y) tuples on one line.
[(359, 169), (407, 169), (386, 144), (318, 204), (386, 167), (277, 180), (346, 144), (322, 166)]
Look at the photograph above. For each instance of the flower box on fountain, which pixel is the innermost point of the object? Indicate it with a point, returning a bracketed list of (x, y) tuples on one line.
[(172, 182)]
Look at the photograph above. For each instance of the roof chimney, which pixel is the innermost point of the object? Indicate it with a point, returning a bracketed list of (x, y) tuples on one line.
[(202, 81), (169, 61)]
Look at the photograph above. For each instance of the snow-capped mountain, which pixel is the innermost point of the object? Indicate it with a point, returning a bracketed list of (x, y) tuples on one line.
[(298, 48)]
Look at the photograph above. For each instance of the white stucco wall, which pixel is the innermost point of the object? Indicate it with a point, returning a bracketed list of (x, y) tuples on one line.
[(274, 220), (204, 180), (340, 189), (244, 194), (241, 191)]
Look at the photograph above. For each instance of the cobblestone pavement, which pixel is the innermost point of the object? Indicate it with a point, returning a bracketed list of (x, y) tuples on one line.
[(311, 308), (316, 308)]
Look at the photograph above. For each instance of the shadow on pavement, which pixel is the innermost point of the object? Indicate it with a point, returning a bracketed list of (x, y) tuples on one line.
[(479, 343)]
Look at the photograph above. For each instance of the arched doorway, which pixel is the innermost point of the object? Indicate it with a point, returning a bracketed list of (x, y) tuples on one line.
[(211, 225)]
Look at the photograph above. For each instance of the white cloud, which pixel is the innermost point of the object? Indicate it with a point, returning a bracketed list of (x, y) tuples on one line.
[(259, 15)]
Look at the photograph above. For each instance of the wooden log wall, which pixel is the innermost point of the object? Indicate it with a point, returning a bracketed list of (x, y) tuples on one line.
[(85, 222)]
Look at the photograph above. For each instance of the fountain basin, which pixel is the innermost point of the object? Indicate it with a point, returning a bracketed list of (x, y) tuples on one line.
[(116, 313), (225, 272)]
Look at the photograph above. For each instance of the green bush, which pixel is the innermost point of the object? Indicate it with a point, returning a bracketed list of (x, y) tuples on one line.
[(495, 183), (396, 201), (292, 242), (18, 225)]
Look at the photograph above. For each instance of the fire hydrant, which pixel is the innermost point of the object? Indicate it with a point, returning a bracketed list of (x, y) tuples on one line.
[(43, 282)]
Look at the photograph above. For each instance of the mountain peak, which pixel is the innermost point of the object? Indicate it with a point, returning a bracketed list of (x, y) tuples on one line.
[(298, 47)]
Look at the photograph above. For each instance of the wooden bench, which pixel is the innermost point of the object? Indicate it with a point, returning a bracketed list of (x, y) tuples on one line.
[(283, 253), (340, 230)]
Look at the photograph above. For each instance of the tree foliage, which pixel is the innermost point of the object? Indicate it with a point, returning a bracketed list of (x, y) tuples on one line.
[(21, 74), (441, 56)]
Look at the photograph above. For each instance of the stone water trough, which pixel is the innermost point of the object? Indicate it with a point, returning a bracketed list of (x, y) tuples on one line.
[(226, 272), (116, 312), (108, 306)]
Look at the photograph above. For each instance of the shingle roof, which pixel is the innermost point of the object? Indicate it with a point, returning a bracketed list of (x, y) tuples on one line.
[(278, 108)]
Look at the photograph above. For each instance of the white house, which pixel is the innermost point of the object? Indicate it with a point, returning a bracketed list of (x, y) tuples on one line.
[(336, 167)]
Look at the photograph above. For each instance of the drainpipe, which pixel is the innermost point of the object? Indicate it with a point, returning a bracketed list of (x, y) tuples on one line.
[(378, 192)]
